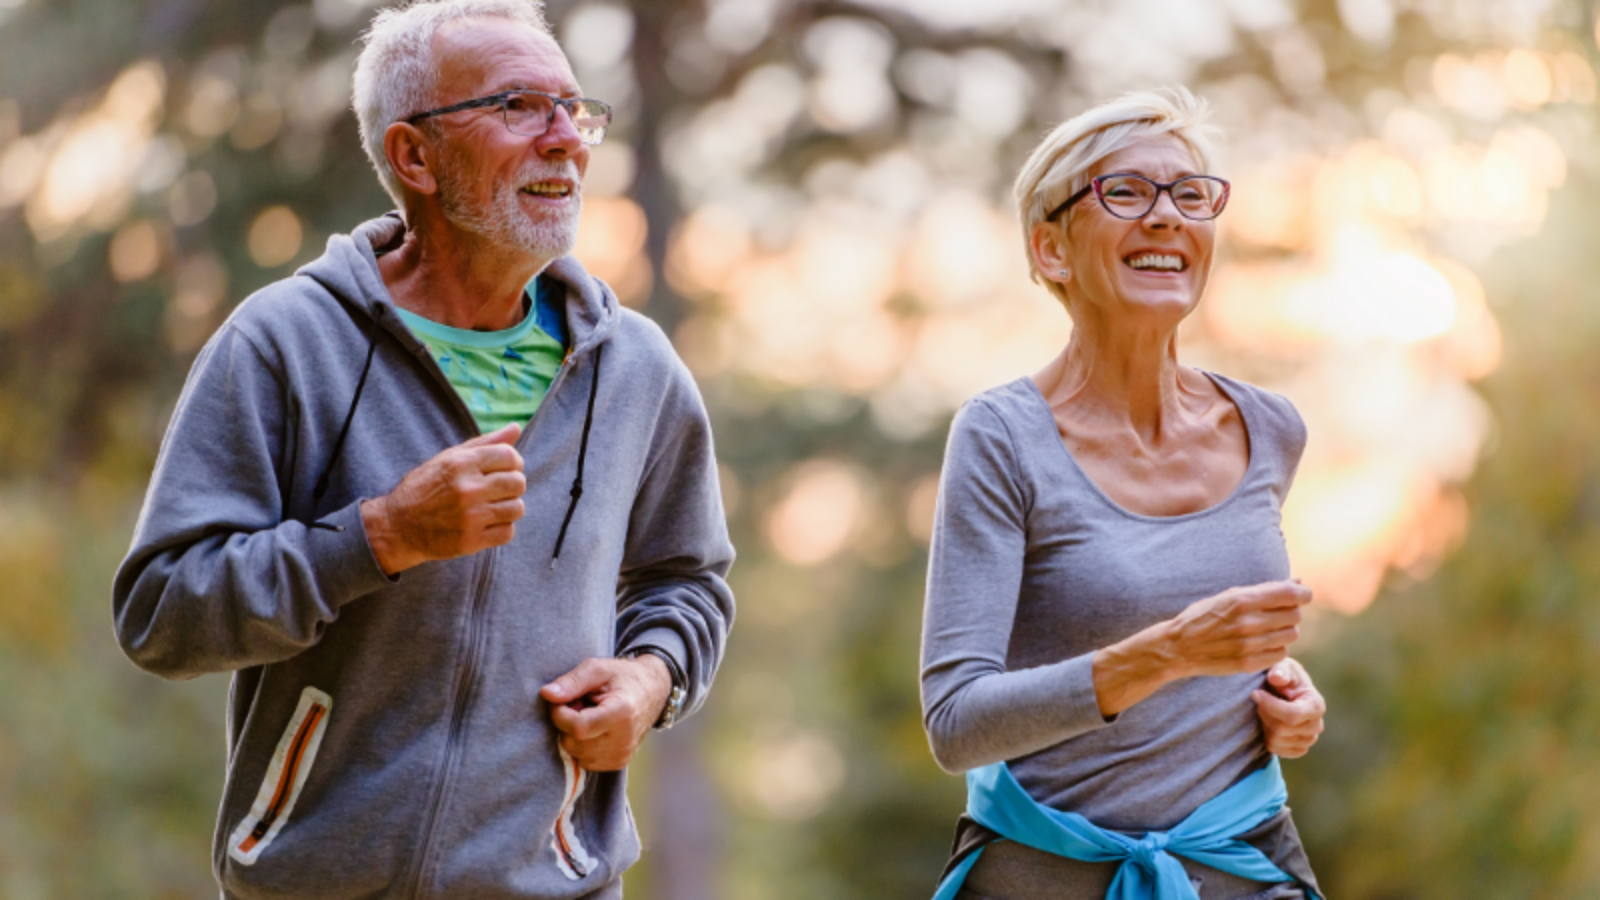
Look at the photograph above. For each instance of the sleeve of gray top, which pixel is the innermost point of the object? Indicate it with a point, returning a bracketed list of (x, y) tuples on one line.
[(217, 580), (975, 711)]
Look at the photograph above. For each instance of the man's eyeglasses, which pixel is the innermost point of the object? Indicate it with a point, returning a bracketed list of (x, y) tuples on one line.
[(1129, 196), (531, 113)]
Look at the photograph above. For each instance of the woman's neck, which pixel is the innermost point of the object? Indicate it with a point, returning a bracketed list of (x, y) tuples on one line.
[(1117, 377)]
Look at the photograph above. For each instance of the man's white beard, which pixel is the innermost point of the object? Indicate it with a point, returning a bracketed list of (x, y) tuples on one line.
[(504, 222)]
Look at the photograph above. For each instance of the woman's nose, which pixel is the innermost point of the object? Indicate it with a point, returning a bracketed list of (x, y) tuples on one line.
[(1164, 214)]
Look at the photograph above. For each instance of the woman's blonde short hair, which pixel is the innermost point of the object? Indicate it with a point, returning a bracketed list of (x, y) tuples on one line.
[(1059, 167)]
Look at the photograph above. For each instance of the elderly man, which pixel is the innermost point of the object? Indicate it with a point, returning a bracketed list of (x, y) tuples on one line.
[(447, 511)]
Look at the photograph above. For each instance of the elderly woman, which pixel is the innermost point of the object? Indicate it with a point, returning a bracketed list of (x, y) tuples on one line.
[(1108, 581)]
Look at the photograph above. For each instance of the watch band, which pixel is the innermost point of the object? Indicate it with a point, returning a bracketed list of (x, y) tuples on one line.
[(680, 684)]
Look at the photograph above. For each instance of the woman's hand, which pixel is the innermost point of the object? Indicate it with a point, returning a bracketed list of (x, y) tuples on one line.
[(1291, 712), (1240, 630)]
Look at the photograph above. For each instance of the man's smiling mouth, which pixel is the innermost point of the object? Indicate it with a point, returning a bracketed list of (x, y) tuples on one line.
[(552, 189)]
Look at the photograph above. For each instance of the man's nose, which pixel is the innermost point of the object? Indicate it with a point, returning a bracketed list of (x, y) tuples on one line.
[(561, 137)]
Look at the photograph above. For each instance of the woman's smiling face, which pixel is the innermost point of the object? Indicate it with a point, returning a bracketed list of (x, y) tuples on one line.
[(1155, 265)]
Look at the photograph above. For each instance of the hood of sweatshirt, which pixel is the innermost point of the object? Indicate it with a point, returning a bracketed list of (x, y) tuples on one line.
[(349, 272), (386, 734)]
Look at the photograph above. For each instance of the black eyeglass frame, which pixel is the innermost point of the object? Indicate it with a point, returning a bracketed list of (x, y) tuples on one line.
[(567, 103), (1094, 186)]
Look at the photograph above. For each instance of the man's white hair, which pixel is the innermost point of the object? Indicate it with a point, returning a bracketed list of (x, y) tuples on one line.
[(1059, 167), (396, 75)]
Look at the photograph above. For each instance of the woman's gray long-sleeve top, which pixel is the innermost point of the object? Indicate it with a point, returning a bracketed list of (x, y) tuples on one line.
[(1033, 568)]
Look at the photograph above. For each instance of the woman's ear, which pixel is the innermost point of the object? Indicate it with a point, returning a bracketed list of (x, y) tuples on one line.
[(411, 157), (1048, 245)]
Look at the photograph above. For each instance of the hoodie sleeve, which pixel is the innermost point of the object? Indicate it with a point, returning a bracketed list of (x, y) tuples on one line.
[(672, 592), (216, 580)]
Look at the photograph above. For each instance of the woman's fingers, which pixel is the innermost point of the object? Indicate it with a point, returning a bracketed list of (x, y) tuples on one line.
[(1291, 725), (1244, 629), (1274, 595), (1278, 639)]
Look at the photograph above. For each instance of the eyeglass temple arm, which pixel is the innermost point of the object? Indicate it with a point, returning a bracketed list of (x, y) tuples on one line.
[(491, 100), (1066, 204)]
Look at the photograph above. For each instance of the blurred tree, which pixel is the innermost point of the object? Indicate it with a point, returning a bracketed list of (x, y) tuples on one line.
[(1462, 752), (160, 159)]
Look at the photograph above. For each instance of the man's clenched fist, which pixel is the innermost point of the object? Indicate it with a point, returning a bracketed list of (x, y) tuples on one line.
[(466, 499), (605, 707)]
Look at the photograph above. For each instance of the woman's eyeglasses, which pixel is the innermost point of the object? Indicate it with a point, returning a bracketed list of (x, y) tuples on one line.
[(1129, 196)]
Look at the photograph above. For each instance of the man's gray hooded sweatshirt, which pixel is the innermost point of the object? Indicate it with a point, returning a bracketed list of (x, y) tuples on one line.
[(386, 737)]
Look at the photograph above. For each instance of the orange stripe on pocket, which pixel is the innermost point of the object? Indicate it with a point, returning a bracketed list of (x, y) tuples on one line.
[(286, 776), (572, 858)]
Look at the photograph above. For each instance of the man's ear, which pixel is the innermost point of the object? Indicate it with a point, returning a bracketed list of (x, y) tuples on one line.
[(411, 156), (1048, 246)]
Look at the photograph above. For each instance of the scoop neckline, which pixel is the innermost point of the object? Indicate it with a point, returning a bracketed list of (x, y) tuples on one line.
[(1238, 489)]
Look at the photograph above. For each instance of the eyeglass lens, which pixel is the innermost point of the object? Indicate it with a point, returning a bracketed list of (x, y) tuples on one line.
[(1132, 196), (530, 115)]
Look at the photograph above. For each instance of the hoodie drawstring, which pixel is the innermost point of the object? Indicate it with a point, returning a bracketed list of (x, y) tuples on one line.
[(338, 445), (583, 453), (583, 445)]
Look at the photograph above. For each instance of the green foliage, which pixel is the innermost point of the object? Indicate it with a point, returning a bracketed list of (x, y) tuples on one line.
[(1462, 756), (838, 645), (1460, 759)]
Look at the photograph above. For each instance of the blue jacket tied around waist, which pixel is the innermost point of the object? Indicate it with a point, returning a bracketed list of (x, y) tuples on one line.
[(1149, 870)]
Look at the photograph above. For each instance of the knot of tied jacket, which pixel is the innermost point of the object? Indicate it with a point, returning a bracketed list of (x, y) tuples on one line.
[(1144, 854)]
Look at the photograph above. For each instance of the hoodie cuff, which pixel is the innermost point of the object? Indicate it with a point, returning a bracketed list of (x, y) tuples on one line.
[(669, 642), (342, 557)]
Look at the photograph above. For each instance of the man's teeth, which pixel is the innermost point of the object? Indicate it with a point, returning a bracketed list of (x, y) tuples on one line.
[(1164, 261), (544, 189)]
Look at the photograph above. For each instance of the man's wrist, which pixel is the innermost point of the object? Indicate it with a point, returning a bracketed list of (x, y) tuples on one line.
[(386, 545), (677, 688)]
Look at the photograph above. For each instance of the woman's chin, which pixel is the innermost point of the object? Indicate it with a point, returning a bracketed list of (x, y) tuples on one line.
[(1175, 302)]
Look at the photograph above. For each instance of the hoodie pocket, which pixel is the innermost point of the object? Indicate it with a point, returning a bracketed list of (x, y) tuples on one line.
[(571, 856), (291, 764)]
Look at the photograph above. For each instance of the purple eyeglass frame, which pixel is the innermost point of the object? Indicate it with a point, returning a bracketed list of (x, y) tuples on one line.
[(1099, 193)]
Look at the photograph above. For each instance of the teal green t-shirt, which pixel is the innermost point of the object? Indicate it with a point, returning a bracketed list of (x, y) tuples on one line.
[(502, 376)]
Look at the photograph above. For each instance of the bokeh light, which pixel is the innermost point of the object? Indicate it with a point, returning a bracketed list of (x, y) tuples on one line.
[(812, 201), (274, 237)]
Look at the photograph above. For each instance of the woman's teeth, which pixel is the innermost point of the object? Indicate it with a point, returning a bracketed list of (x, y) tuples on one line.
[(1159, 261)]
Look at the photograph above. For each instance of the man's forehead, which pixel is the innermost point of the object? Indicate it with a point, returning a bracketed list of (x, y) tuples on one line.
[(483, 56)]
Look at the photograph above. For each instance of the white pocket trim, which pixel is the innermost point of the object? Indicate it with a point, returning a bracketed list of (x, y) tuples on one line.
[(571, 857), (291, 764)]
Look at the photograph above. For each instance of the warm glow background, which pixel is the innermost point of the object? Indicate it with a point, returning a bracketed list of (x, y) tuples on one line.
[(812, 197)]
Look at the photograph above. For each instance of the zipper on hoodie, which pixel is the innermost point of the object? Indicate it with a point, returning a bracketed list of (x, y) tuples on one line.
[(286, 776), (469, 676)]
